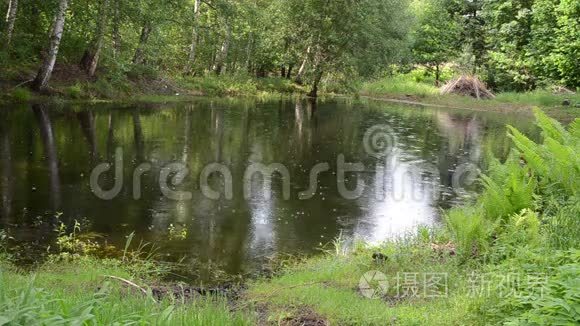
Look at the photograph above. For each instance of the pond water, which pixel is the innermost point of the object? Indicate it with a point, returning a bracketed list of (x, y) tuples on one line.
[(424, 162)]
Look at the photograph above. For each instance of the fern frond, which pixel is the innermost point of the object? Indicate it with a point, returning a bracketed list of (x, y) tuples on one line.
[(529, 149), (551, 128)]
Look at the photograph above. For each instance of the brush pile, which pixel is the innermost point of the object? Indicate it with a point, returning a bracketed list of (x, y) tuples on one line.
[(467, 85)]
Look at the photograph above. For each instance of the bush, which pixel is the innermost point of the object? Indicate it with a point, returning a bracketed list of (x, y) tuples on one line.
[(20, 95), (137, 72), (74, 92), (469, 229)]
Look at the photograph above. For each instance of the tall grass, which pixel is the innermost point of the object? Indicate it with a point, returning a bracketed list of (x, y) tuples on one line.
[(542, 98), (418, 84), (239, 85), (399, 85), (78, 294)]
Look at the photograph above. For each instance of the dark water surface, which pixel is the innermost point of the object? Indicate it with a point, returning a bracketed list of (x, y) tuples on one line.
[(48, 154)]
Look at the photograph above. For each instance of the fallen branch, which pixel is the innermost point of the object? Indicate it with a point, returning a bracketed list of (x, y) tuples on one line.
[(130, 283), (25, 82)]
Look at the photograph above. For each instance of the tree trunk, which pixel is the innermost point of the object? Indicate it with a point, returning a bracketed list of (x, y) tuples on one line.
[(302, 69), (194, 38), (317, 79), (139, 57), (223, 53), (90, 59), (261, 72), (111, 137), (50, 153), (116, 32), (11, 20), (87, 122), (289, 72), (138, 136), (7, 174), (437, 75), (249, 53), (49, 59)]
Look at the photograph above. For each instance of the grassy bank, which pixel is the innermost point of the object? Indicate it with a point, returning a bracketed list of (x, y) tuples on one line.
[(407, 87), (138, 83), (83, 293)]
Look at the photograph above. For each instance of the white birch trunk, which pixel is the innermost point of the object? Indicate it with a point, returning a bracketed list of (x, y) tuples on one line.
[(302, 69), (194, 38), (223, 53), (11, 20), (49, 59), (90, 59)]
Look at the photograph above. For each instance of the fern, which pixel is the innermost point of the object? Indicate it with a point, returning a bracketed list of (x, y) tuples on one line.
[(530, 151), (550, 127), (574, 129)]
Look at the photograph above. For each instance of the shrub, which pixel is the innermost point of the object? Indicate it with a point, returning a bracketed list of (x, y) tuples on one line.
[(136, 72), (21, 95), (558, 305), (469, 229), (74, 92)]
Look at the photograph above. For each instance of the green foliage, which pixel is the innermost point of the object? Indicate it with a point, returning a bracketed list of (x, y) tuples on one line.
[(531, 43), (74, 92), (559, 305), (469, 229), (20, 95), (400, 85), (544, 289), (508, 189), (140, 72), (239, 85), (538, 183), (556, 162), (539, 97), (77, 293), (75, 244), (436, 38), (562, 223)]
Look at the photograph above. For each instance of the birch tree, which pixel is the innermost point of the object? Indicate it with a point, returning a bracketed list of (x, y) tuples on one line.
[(90, 58), (49, 58), (11, 20), (222, 54), (194, 38)]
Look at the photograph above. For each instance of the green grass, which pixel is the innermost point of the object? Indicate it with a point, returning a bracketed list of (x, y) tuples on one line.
[(541, 98), (408, 87), (329, 284), (78, 293), (400, 85), (20, 95), (239, 85)]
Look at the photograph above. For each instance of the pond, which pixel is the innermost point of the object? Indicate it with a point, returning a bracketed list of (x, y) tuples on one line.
[(230, 183)]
